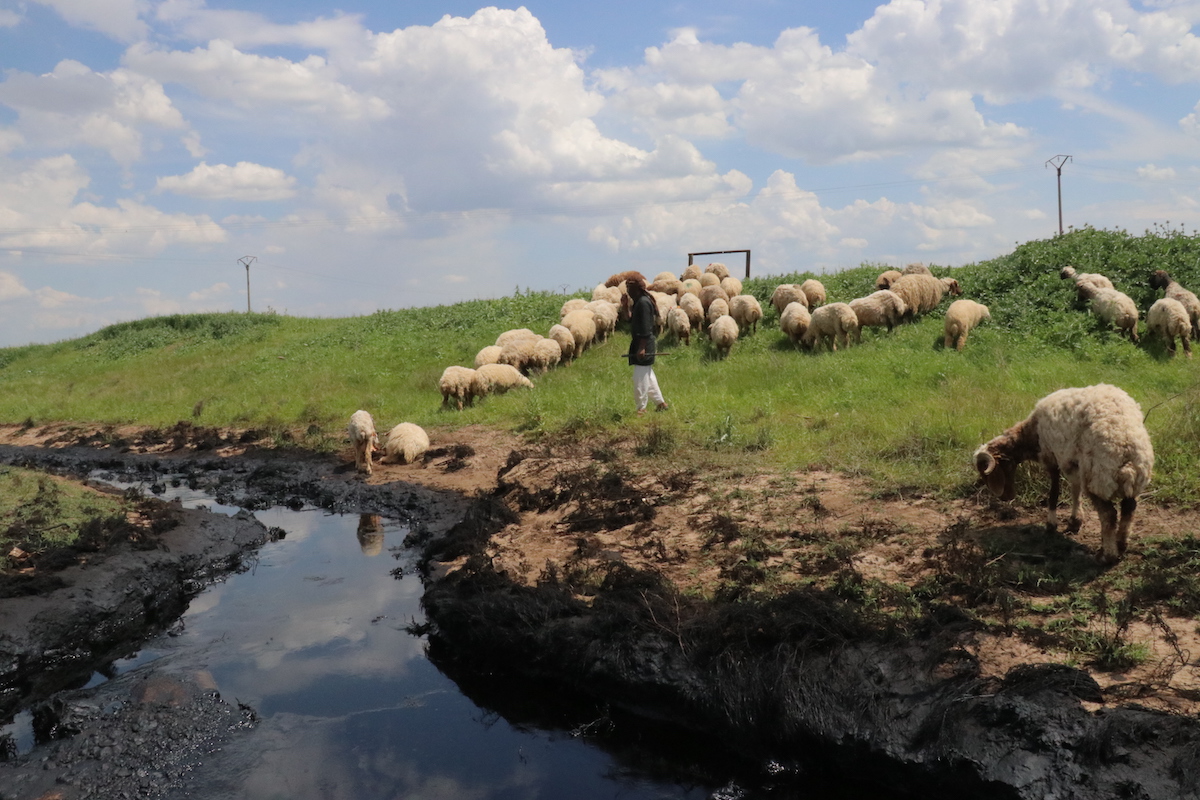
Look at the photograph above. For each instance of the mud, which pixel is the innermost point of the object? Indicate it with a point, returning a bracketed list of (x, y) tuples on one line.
[(805, 673)]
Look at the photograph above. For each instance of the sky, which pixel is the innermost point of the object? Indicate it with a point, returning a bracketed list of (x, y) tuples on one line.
[(383, 155)]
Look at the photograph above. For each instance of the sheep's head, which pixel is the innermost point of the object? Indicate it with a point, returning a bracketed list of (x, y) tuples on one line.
[(998, 472), (1159, 279), (952, 287), (1066, 273)]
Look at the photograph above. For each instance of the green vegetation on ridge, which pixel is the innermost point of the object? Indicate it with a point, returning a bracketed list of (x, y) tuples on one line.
[(899, 409)]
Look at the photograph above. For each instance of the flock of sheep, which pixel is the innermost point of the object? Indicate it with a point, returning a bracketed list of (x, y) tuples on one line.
[(1174, 316)]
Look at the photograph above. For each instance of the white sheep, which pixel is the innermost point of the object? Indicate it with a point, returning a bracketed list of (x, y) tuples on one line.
[(1092, 435), (883, 308), (1191, 304), (514, 335), (1168, 319), (576, 303), (582, 325), (712, 292), (718, 269), (746, 311), (723, 333), (690, 286), (709, 279), (1084, 279), (406, 443), (663, 303), (457, 382), (488, 355), (922, 293), (731, 285), (887, 278), (566, 342), (672, 286), (961, 317), (664, 276), (694, 309), (719, 308), (606, 314), (679, 324), (610, 293), (814, 291), (1112, 308), (692, 272), (831, 323), (786, 294), (795, 321), (544, 354), (498, 379), (916, 268), (364, 439), (518, 352)]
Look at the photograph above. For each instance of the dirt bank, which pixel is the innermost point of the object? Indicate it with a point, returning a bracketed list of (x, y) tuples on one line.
[(801, 612)]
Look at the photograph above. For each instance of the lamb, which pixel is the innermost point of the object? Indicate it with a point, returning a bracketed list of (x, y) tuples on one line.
[(961, 317), (886, 279), (814, 290), (719, 308), (459, 383), (795, 321), (406, 443), (566, 342), (679, 324), (694, 309), (1161, 280), (1112, 308), (363, 438), (582, 326), (731, 285), (923, 293), (723, 333), (786, 294), (488, 355), (1169, 319), (718, 269), (710, 293), (836, 321), (1093, 435), (882, 309), (746, 311), (498, 379)]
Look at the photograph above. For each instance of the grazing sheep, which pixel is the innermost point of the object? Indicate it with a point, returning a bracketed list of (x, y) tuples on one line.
[(1169, 319), (606, 315), (732, 286), (1092, 435), (363, 438), (881, 309), (514, 335), (723, 333), (610, 293), (1112, 308), (886, 279), (719, 308), (488, 355), (574, 304), (663, 303), (746, 311), (498, 379), (916, 269), (621, 277), (691, 286), (1084, 279), (406, 443), (679, 324), (795, 321), (718, 269), (691, 272), (786, 294), (518, 352), (665, 276), (566, 342), (836, 321), (694, 309), (458, 382), (814, 291), (546, 353), (961, 317), (710, 293), (1191, 304), (709, 279), (922, 293), (672, 286), (582, 325)]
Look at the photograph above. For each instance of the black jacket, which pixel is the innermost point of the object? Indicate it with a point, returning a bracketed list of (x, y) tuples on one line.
[(642, 323)]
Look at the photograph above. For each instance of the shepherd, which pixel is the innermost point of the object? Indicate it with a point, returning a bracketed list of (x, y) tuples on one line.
[(642, 347)]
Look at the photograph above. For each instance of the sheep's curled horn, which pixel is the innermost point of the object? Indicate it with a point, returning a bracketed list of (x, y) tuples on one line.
[(985, 462)]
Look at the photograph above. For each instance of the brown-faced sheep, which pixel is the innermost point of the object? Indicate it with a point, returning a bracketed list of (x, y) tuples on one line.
[(814, 291), (961, 317), (363, 438), (880, 309), (1168, 319), (457, 382), (405, 443), (1191, 304), (723, 333), (794, 321), (830, 324), (1095, 437), (621, 277)]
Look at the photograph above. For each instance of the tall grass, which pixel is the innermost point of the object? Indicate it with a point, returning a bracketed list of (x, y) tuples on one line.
[(899, 409)]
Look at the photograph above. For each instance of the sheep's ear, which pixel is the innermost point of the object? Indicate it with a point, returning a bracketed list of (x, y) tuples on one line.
[(985, 462)]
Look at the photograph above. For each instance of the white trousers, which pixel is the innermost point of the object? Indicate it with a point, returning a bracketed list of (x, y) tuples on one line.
[(645, 386)]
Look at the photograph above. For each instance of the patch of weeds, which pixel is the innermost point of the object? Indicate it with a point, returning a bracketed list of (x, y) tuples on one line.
[(763, 440), (723, 434), (658, 441)]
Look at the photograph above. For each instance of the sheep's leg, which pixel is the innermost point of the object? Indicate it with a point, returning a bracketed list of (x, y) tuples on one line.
[(1187, 343), (1052, 502), (1076, 521), (1109, 553), (1128, 506), (962, 342)]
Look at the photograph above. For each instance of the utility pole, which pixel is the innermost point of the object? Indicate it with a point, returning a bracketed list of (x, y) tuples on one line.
[(1058, 162), (246, 261)]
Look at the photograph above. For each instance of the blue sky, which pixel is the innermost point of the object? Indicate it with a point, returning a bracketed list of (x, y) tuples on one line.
[(383, 155)]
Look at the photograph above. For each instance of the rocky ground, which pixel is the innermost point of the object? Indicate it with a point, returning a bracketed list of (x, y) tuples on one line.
[(659, 583)]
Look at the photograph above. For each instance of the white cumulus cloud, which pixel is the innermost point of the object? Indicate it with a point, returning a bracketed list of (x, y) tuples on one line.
[(243, 181)]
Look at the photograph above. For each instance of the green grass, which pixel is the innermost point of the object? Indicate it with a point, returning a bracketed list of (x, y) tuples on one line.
[(899, 409), (38, 512)]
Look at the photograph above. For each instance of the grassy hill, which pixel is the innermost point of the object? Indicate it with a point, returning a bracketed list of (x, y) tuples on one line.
[(899, 409)]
